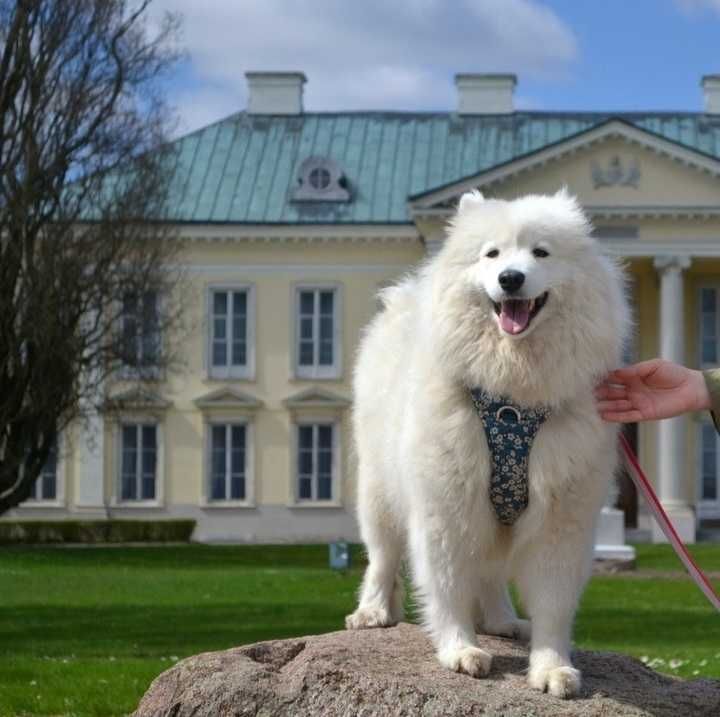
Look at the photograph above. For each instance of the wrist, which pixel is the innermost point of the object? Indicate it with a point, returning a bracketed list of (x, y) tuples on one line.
[(703, 395)]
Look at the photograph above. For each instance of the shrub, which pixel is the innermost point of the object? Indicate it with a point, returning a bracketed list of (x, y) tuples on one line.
[(96, 531)]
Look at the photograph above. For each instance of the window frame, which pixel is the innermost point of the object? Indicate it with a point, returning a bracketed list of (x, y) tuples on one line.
[(714, 286), (317, 371), (59, 500), (139, 420), (246, 372), (229, 420), (335, 485), (707, 509), (150, 371)]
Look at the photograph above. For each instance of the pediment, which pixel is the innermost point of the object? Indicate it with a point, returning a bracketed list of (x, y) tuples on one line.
[(615, 168), (136, 398), (227, 397), (316, 398)]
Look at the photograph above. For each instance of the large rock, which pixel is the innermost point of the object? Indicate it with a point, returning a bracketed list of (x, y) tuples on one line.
[(394, 672)]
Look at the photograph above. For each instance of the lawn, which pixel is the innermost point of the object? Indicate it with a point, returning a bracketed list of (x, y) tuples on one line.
[(83, 631)]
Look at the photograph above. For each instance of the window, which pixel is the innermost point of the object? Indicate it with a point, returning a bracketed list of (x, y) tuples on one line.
[(315, 461), (317, 337), (45, 487), (228, 461), (138, 463), (708, 463), (321, 179), (709, 327), (141, 330), (230, 347)]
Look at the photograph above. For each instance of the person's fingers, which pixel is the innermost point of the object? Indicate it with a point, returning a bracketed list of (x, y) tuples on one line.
[(606, 391), (622, 416), (615, 406), (637, 370)]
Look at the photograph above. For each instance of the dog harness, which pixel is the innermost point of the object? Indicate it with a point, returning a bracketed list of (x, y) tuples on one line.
[(510, 430)]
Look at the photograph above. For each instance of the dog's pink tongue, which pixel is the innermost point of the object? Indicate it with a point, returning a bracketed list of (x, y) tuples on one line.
[(514, 316)]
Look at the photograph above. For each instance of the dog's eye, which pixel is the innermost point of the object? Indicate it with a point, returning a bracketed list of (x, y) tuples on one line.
[(540, 253), (492, 253)]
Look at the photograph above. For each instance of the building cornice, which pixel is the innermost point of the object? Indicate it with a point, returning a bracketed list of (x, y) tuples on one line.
[(608, 212), (661, 250), (388, 234)]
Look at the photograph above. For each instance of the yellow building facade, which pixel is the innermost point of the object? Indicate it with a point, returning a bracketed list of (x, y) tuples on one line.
[(290, 223)]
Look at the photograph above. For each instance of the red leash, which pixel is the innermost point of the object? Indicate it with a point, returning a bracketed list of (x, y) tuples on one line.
[(644, 486)]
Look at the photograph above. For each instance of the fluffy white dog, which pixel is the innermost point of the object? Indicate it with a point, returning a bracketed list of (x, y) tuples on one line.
[(520, 304)]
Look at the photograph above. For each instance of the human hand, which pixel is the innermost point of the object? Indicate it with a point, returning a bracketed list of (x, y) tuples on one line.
[(651, 390)]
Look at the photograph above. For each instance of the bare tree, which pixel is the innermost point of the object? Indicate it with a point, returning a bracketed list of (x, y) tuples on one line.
[(85, 283)]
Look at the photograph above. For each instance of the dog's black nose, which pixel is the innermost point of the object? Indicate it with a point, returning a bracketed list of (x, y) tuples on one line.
[(511, 280)]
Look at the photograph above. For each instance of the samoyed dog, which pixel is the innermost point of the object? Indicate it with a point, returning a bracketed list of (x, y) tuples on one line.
[(512, 323)]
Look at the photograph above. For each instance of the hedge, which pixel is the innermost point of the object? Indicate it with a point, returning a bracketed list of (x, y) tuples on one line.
[(96, 531)]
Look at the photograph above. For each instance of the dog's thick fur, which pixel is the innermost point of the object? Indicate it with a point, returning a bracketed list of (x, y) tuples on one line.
[(423, 459)]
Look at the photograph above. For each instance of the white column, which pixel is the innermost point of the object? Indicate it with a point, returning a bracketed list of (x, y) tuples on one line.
[(671, 436), (610, 534), (89, 484), (89, 491)]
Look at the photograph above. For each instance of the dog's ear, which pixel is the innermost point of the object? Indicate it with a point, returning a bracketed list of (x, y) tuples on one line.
[(470, 199)]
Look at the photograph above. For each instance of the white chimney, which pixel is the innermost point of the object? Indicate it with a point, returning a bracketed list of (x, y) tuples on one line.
[(485, 94), (711, 93), (275, 93)]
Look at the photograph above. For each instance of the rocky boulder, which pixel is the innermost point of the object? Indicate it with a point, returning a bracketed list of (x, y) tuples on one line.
[(394, 672)]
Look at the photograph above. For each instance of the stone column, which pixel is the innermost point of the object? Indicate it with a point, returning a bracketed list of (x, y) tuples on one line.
[(671, 436)]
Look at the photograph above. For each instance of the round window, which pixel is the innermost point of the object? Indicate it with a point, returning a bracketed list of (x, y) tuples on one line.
[(319, 178)]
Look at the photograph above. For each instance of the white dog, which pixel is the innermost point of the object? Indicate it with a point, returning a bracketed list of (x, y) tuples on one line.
[(520, 304)]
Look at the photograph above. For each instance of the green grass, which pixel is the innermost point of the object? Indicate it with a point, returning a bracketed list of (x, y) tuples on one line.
[(85, 630)]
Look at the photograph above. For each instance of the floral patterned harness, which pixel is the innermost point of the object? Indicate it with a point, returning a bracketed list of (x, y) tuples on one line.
[(510, 431)]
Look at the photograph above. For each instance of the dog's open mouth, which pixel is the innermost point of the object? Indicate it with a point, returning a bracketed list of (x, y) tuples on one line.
[(515, 315)]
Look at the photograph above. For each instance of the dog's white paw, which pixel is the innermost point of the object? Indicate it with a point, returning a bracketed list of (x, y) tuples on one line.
[(563, 682), (365, 617), (471, 660), (515, 629)]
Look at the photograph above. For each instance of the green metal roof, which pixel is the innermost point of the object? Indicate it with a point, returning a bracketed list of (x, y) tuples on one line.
[(243, 169)]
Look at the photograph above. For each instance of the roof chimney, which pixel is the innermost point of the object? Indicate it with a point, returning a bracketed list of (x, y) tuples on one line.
[(275, 93), (711, 93), (485, 94)]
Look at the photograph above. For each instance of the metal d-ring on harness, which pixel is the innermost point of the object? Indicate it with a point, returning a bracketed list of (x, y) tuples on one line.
[(510, 430)]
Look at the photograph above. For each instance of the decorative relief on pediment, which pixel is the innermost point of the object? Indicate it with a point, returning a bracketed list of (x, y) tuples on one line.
[(616, 173)]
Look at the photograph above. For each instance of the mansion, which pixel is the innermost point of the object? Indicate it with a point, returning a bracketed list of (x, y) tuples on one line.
[(291, 221)]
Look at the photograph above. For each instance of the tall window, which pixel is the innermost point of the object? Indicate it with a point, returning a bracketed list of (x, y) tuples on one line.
[(138, 468), (141, 330), (315, 464), (317, 333), (230, 349), (709, 463), (45, 487), (228, 461), (709, 327)]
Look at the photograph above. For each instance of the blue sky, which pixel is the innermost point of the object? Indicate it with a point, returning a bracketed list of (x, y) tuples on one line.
[(374, 54), (636, 54)]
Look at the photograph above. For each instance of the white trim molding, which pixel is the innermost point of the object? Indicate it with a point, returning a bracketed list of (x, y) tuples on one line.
[(228, 419), (311, 419), (246, 372), (62, 452), (138, 419), (317, 371), (380, 234)]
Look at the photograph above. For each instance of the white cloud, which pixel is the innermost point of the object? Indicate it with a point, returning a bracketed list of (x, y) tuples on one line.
[(363, 55)]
